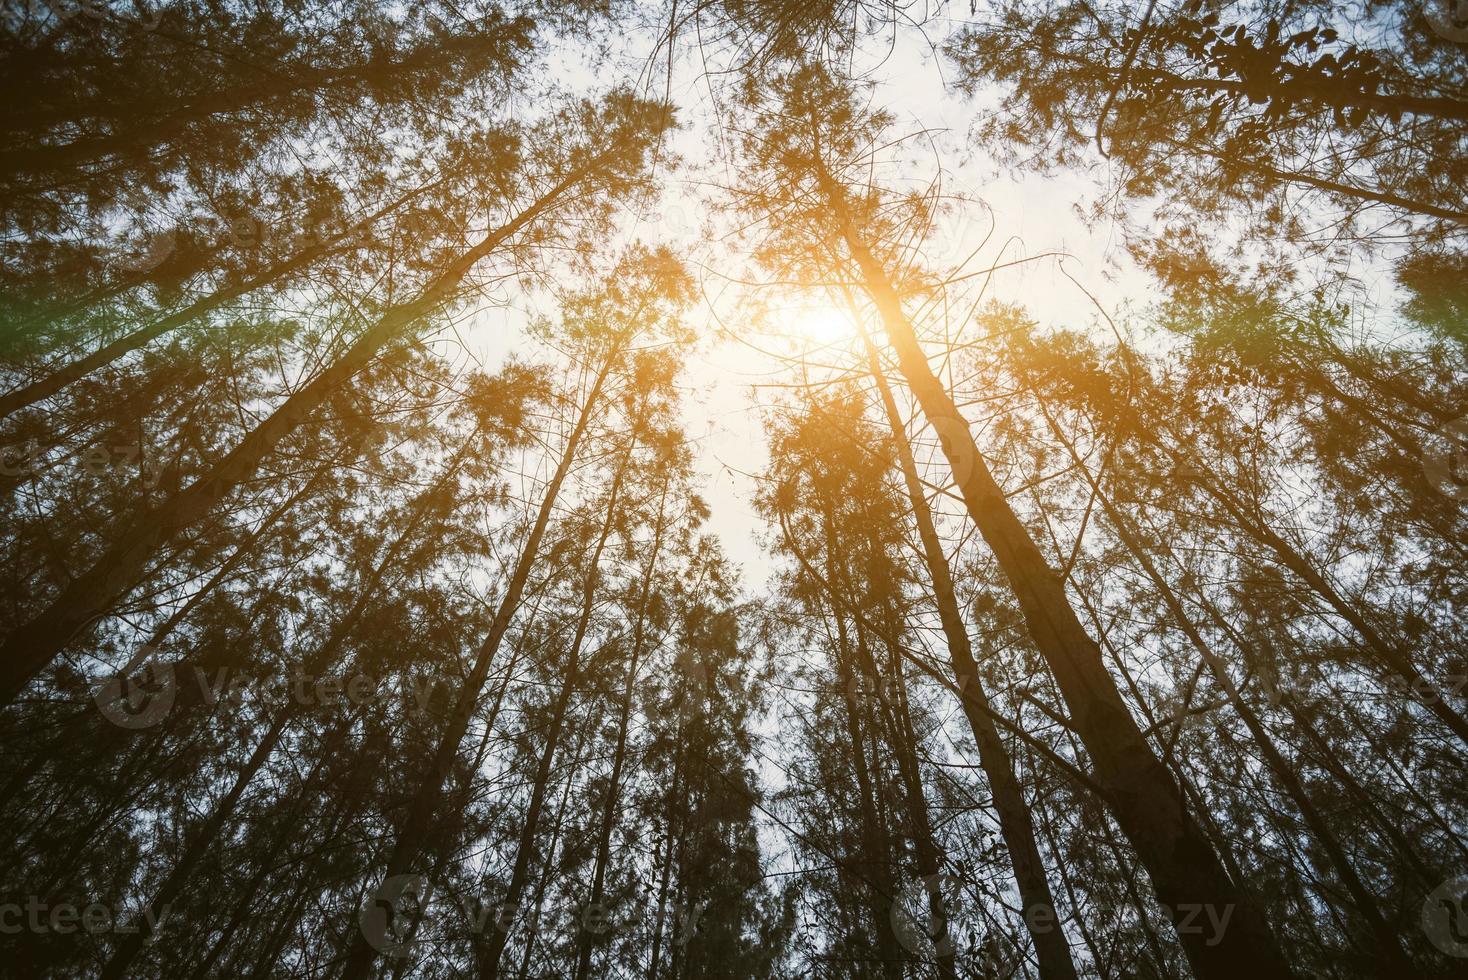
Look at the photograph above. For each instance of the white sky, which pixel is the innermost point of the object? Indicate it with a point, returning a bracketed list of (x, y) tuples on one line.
[(1032, 214)]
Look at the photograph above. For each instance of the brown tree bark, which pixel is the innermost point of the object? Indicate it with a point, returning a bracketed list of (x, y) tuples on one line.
[(325, 658), (1387, 942), (14, 401), (493, 953), (585, 938), (1147, 804), (1040, 915), (415, 827), (28, 649), (1390, 657), (875, 844)]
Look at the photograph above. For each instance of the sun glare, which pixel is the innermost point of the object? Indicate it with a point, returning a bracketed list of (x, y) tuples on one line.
[(821, 324)]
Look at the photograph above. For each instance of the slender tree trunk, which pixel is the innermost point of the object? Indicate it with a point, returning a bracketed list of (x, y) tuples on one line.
[(12, 334), (875, 846), (409, 839), (28, 649), (90, 718), (1326, 755), (13, 401), (929, 853), (290, 918), (489, 964), (654, 957), (1175, 765), (1184, 868), (1040, 915), (246, 903), (323, 659), (619, 752), (1392, 658), (1387, 942), (122, 958), (543, 881)]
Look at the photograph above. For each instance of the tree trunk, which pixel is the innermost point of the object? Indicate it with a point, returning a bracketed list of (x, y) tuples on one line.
[(1388, 944), (619, 753), (30, 648), (322, 660), (874, 843), (489, 965), (415, 827), (1389, 656), (14, 401), (1184, 868), (1051, 949)]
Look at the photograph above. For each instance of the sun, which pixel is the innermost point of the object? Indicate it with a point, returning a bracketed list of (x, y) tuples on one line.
[(820, 323)]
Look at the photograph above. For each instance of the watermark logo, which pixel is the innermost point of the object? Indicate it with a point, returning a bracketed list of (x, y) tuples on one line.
[(154, 251), (1181, 715), (403, 905), (961, 222), (143, 700), (1447, 467), (866, 688), (1445, 916), (21, 461), (30, 460), (689, 683), (1192, 919), (99, 460), (921, 912), (139, 699), (1447, 18), (65, 918), (674, 223), (387, 921), (1423, 690), (958, 446)]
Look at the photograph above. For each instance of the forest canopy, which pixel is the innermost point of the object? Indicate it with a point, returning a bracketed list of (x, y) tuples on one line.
[(734, 489)]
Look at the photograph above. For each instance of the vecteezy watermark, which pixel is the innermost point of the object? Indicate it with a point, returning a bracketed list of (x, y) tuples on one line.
[(958, 446), (403, 907), (64, 918), (137, 13), (1447, 465), (395, 912), (1193, 919), (921, 915), (1186, 919), (143, 694), (1182, 716), (865, 688), (1445, 916), (1424, 691), (674, 223), (689, 682), (153, 252), (141, 697), (1279, 687), (28, 460), (1447, 18)]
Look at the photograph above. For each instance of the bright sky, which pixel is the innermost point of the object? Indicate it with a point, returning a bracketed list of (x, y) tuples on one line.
[(729, 381)]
